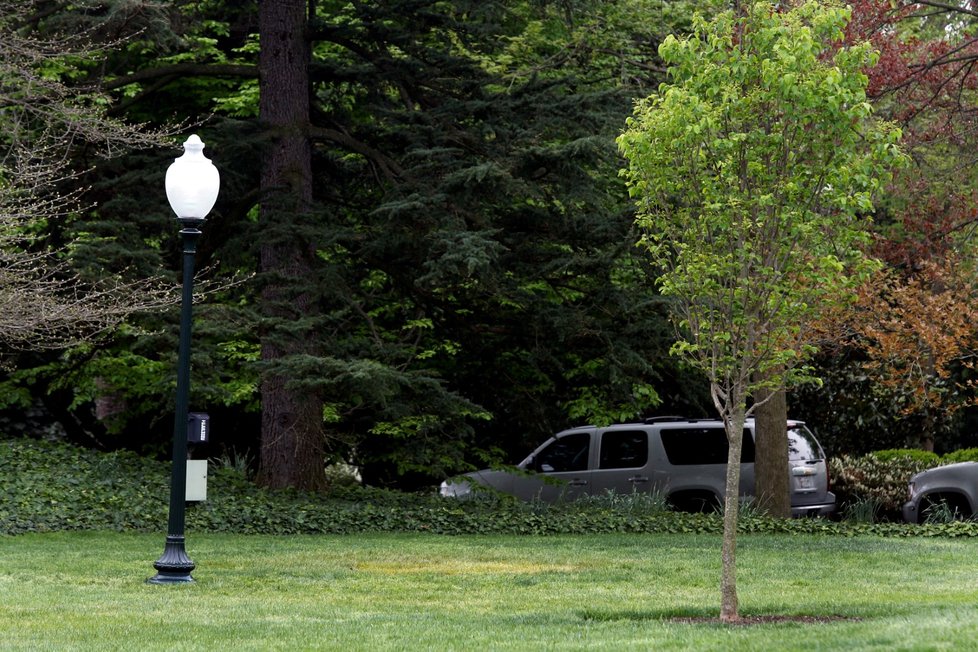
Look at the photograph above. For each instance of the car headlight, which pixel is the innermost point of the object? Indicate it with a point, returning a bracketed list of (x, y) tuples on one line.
[(452, 489)]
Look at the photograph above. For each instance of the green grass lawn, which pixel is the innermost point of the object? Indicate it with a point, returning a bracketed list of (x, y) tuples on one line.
[(86, 591)]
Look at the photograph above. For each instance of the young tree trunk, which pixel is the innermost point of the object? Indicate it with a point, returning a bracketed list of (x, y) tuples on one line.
[(291, 437), (731, 507), (771, 481), (733, 410)]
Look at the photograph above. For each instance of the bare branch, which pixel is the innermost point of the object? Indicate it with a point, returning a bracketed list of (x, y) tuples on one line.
[(43, 303), (957, 9)]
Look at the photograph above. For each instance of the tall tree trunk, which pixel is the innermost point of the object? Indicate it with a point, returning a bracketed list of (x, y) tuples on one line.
[(927, 432), (291, 437), (771, 481)]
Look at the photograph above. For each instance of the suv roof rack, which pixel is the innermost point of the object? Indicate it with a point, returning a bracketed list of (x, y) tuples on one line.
[(667, 418)]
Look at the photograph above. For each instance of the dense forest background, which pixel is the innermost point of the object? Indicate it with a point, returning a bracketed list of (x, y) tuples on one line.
[(423, 258)]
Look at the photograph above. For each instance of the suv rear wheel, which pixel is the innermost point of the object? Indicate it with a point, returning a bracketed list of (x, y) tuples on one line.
[(698, 502)]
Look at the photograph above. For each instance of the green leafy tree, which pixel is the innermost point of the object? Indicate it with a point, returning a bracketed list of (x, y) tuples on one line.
[(754, 171)]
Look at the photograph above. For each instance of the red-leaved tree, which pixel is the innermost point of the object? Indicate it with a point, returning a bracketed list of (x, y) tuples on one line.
[(914, 322)]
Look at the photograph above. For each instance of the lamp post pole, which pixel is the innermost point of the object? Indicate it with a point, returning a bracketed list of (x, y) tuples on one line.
[(192, 184)]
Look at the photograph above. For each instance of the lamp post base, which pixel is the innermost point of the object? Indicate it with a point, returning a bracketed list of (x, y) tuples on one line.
[(174, 566)]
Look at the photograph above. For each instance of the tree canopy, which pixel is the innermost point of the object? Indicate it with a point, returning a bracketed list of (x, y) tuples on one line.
[(470, 283), (902, 378)]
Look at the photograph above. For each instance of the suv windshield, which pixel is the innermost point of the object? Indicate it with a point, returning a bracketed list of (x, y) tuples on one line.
[(802, 445), (567, 453)]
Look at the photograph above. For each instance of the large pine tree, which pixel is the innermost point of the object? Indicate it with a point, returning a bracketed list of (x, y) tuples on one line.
[(445, 257)]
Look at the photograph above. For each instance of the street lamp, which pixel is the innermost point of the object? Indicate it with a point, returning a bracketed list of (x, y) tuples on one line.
[(192, 183)]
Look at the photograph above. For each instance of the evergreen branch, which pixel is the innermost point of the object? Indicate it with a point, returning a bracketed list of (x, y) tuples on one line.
[(184, 70), (391, 169)]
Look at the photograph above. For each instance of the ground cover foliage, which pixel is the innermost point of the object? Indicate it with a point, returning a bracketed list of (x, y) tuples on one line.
[(48, 487)]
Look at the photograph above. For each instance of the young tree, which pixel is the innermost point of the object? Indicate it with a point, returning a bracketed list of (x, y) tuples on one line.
[(753, 171)]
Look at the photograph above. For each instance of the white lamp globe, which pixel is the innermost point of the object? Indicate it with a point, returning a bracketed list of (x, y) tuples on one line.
[(192, 182)]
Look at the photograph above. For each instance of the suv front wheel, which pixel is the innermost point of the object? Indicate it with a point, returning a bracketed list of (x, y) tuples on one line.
[(943, 508)]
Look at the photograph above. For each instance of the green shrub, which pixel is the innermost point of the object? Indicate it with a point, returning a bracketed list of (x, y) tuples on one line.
[(865, 510), (940, 512), (963, 455), (881, 477), (929, 458), (882, 480)]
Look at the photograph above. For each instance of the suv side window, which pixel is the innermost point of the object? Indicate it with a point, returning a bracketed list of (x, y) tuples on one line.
[(569, 453), (686, 446), (624, 449)]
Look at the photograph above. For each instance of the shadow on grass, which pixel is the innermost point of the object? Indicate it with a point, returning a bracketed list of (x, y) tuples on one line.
[(709, 617)]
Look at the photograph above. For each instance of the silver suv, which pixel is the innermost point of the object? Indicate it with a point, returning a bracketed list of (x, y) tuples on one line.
[(684, 459)]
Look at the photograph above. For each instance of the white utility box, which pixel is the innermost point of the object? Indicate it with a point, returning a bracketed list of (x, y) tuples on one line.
[(196, 480)]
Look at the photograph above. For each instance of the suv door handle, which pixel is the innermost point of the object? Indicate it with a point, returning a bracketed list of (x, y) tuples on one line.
[(577, 483), (636, 479)]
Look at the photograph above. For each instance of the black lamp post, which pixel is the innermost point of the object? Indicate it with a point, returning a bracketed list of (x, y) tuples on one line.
[(192, 184)]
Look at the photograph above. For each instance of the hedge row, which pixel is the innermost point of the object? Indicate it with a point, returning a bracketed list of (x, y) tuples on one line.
[(881, 478), (50, 487)]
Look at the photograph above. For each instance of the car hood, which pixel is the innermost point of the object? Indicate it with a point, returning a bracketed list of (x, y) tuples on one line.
[(939, 470), (501, 480), (462, 485)]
